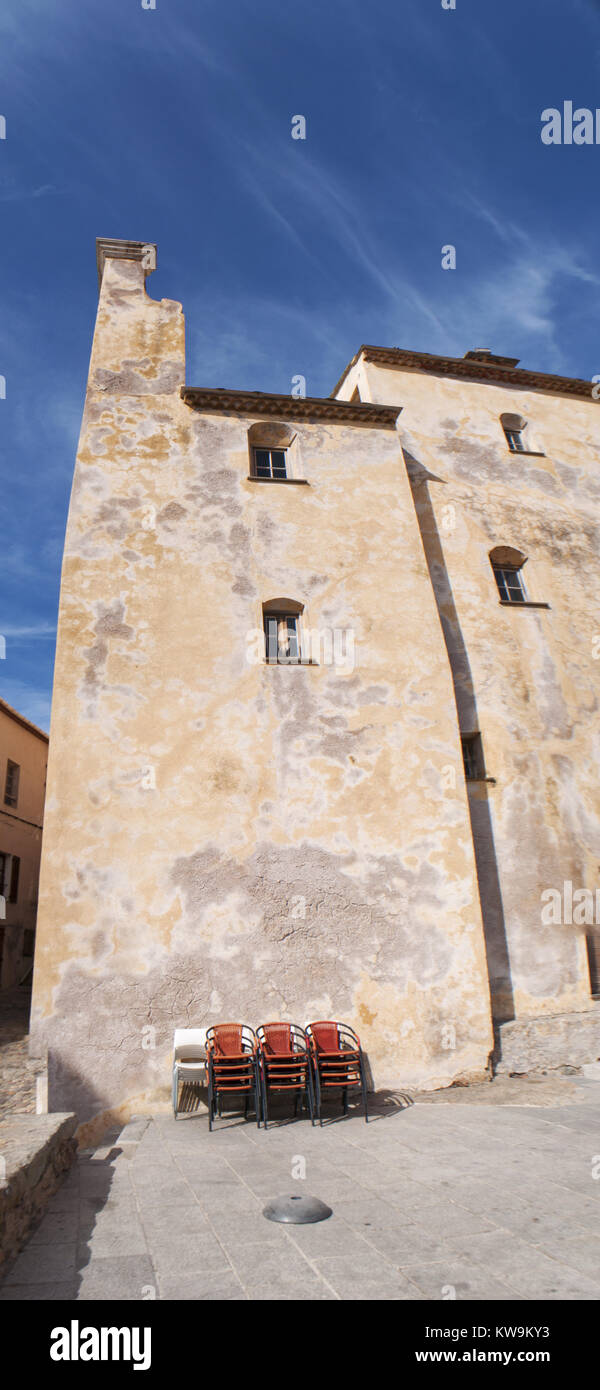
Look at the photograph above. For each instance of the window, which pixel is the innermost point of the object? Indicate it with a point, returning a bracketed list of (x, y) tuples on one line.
[(9, 876), (515, 441), (518, 435), (507, 564), (274, 452), (510, 584), (270, 463), (14, 878), (282, 638), (11, 789), (473, 757)]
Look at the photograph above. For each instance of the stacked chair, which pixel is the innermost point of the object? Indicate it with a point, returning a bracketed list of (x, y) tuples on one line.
[(338, 1062), (313, 1064), (285, 1065), (233, 1069)]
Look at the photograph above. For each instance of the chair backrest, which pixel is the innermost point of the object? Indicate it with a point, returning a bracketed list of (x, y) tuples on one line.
[(188, 1042), (230, 1039), (325, 1035), (328, 1035), (276, 1037)]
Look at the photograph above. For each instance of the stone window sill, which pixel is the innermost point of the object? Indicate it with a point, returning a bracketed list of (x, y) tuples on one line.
[(527, 603), (302, 482)]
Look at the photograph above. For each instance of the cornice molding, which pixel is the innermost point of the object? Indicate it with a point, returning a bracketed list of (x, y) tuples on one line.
[(470, 368), (124, 251), (260, 403)]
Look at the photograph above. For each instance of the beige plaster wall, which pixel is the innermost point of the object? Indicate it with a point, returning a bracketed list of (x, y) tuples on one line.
[(227, 839), (526, 677)]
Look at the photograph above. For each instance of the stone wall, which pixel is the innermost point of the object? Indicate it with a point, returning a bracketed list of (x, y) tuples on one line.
[(36, 1152)]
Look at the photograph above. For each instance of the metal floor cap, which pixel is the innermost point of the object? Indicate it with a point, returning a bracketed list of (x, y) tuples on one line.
[(299, 1211)]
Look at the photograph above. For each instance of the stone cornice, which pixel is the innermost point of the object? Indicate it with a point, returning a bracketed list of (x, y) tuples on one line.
[(124, 251), (260, 403), (472, 369)]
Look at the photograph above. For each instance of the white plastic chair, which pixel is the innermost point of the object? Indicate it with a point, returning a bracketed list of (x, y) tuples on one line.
[(189, 1059)]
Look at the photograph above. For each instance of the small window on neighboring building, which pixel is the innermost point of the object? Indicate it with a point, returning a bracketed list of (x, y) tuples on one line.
[(9, 876), (270, 463), (473, 757), (14, 878), (11, 788)]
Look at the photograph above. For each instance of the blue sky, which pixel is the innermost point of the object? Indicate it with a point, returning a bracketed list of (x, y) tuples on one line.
[(173, 125)]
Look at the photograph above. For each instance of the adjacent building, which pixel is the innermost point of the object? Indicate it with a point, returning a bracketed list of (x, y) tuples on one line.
[(23, 759), (324, 734)]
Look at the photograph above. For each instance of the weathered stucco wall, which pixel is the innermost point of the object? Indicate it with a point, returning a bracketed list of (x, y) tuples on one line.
[(227, 839), (527, 678)]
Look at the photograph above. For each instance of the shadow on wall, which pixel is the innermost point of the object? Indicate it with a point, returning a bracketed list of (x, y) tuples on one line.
[(494, 926), (69, 1090)]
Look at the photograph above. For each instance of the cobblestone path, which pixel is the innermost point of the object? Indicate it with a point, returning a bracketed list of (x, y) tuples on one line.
[(17, 1075)]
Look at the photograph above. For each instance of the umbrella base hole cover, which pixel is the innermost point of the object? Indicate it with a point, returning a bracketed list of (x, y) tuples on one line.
[(296, 1211)]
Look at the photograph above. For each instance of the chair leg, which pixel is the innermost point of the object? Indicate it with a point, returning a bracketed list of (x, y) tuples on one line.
[(363, 1083), (310, 1096), (265, 1106), (175, 1089), (210, 1102)]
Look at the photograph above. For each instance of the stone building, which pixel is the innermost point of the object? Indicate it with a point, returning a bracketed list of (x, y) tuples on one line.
[(23, 758), (324, 729)]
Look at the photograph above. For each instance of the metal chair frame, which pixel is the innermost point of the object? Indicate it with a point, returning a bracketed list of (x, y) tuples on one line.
[(342, 1068), (231, 1071), (285, 1070)]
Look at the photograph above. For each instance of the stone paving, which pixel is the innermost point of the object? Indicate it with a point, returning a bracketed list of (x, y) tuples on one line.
[(17, 1072), (430, 1201)]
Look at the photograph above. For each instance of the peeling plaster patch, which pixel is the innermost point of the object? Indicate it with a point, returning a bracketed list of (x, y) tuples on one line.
[(172, 512), (135, 379)]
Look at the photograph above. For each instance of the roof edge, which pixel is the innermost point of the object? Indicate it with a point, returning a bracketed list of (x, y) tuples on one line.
[(20, 719), (290, 407), (470, 368)]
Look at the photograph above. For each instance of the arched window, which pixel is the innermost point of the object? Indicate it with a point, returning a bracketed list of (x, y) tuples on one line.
[(514, 427), (507, 564), (271, 450), (283, 631)]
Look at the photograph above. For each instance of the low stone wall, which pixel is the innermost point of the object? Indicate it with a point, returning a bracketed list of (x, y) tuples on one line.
[(36, 1152), (550, 1041)]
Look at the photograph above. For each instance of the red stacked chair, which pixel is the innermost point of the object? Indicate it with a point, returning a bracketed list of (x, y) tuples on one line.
[(338, 1062), (284, 1064), (232, 1067)]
